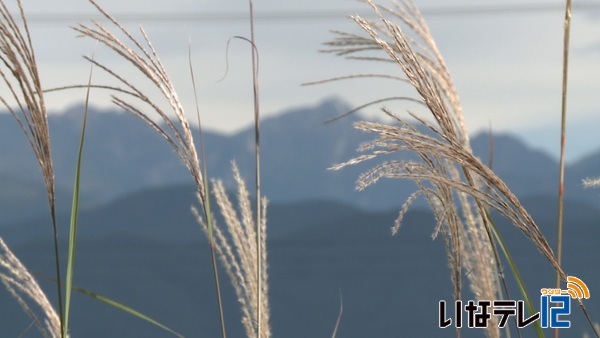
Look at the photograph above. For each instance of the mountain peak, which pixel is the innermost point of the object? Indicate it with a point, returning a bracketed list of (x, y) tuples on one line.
[(123, 155)]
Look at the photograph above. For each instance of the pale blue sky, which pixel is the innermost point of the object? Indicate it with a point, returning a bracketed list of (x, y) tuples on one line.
[(507, 66)]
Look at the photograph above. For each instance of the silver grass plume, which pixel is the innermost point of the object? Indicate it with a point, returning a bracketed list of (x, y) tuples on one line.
[(178, 134), (142, 56), (236, 247), (19, 74), (458, 186), (25, 289)]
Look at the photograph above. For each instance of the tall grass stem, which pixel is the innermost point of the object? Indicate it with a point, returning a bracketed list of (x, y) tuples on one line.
[(257, 169), (563, 128), (206, 205)]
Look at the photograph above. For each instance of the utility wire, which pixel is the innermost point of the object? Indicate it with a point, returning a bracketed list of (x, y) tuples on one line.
[(304, 15)]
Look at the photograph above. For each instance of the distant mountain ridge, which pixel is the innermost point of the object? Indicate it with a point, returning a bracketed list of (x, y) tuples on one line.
[(123, 155), (138, 242), (146, 251)]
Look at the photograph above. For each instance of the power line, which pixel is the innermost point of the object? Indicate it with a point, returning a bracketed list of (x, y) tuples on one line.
[(285, 16)]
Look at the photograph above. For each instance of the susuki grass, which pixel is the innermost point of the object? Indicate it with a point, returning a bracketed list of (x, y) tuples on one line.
[(250, 242), (458, 186), (237, 247), (25, 289), (26, 90), (24, 87)]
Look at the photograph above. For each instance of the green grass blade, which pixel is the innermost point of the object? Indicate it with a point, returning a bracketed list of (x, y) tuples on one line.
[(206, 204), (117, 305), (517, 275), (126, 309), (75, 214)]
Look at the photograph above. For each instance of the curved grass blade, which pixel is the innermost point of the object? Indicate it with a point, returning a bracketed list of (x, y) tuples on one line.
[(515, 271), (127, 309), (75, 213), (118, 305)]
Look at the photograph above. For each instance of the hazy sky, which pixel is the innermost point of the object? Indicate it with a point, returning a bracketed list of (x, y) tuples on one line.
[(506, 64)]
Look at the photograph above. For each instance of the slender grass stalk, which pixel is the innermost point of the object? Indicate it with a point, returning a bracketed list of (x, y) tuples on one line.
[(563, 128), (561, 183), (563, 139), (561, 189), (75, 211), (206, 206), (259, 287), (256, 315)]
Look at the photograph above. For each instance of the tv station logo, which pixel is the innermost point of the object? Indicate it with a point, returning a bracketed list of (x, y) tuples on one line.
[(555, 305)]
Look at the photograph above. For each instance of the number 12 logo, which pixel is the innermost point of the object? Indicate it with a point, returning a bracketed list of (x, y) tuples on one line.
[(551, 313)]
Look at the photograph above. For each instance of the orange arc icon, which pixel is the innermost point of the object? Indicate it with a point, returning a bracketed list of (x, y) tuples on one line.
[(577, 288)]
